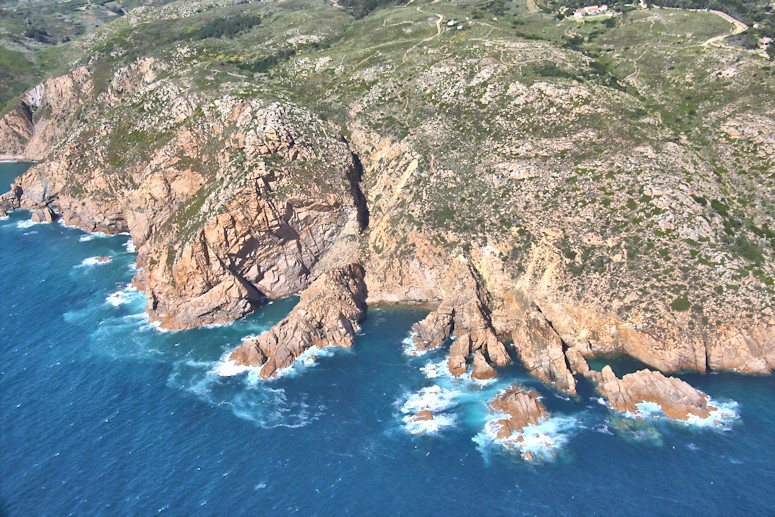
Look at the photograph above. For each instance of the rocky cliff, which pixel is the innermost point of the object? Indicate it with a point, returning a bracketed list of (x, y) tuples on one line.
[(533, 201)]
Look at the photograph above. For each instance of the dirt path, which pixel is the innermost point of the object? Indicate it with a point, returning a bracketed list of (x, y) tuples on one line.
[(532, 8), (439, 19), (738, 28)]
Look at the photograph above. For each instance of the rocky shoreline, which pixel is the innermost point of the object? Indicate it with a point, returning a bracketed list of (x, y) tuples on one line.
[(232, 201)]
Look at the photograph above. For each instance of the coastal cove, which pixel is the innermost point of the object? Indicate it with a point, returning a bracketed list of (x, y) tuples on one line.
[(103, 413)]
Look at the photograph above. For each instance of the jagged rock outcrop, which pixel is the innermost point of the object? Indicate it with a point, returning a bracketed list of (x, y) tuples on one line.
[(522, 407), (327, 315), (9, 201), (541, 351), (677, 398), (434, 329), (463, 313)]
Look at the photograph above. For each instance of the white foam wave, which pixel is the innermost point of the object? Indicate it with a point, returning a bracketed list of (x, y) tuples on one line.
[(434, 370), (410, 347), (129, 245), (27, 223), (434, 399), (260, 404), (229, 368), (721, 417), (90, 236), (225, 367), (123, 296), (432, 426)]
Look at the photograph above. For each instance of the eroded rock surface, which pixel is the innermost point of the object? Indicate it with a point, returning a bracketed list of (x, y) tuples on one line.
[(327, 314), (541, 351)]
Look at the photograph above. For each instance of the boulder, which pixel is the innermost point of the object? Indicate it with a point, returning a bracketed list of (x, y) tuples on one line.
[(43, 215), (457, 365)]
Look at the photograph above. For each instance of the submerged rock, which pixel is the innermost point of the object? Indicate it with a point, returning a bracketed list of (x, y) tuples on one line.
[(327, 315), (676, 398)]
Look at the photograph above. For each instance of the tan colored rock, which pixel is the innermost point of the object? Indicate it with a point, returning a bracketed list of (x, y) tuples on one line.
[(254, 198), (457, 365), (578, 363), (327, 314), (523, 408), (677, 398), (541, 351), (482, 370), (15, 131), (43, 215)]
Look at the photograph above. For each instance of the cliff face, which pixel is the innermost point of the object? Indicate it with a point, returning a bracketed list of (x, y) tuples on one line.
[(228, 204), (551, 208)]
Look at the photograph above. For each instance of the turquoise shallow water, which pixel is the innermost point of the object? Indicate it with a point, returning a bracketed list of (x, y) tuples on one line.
[(102, 414)]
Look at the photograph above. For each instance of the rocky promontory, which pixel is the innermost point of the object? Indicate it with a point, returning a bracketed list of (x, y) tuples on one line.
[(327, 314)]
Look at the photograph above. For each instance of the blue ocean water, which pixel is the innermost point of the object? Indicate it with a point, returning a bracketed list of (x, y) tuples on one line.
[(102, 414)]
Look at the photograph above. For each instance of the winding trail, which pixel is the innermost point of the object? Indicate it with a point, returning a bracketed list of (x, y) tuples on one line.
[(739, 27), (439, 19)]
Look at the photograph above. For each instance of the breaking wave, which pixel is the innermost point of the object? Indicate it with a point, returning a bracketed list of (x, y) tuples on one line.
[(95, 261), (433, 399), (27, 223), (127, 295)]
